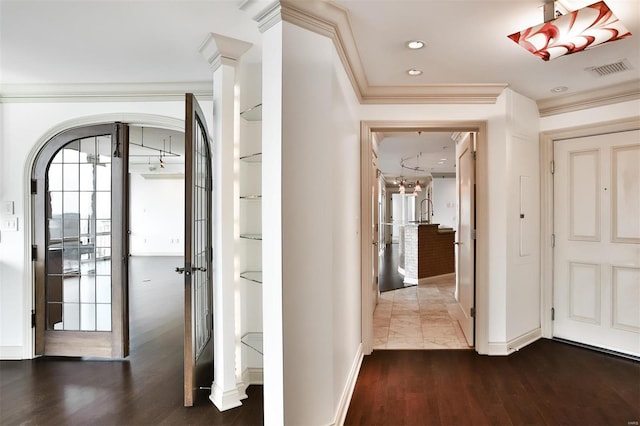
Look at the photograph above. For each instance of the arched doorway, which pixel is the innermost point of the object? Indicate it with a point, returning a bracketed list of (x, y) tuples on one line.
[(79, 184), (80, 187)]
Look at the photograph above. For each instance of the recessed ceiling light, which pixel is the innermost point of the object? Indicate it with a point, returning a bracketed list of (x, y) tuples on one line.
[(415, 44), (443, 159), (559, 89), (414, 72)]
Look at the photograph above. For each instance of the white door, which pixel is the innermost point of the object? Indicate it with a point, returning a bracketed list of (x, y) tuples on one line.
[(375, 219), (465, 268), (597, 233)]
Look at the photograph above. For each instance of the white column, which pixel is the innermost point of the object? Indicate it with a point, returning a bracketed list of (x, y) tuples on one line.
[(223, 54), (272, 259)]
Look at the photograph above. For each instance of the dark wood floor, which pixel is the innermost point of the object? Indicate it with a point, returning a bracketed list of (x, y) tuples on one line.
[(388, 276), (144, 389), (546, 383)]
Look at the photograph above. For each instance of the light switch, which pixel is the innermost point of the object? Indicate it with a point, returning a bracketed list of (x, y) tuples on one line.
[(9, 223)]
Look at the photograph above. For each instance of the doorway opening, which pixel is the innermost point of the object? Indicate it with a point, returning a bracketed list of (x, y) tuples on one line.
[(440, 277), (419, 307), (108, 201), (82, 235)]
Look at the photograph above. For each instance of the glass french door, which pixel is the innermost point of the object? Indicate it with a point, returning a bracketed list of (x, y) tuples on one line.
[(198, 255), (80, 251)]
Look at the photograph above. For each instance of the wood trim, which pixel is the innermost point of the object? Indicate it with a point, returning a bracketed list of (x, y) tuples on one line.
[(78, 343), (613, 94), (546, 203)]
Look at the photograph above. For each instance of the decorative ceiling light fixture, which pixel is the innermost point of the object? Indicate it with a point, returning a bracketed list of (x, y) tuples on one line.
[(574, 32), (418, 187), (401, 187)]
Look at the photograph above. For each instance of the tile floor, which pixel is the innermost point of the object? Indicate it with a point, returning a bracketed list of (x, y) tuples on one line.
[(419, 317)]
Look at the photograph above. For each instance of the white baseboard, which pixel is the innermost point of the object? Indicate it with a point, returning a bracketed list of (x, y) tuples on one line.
[(513, 345), (11, 352), (347, 392), (252, 376)]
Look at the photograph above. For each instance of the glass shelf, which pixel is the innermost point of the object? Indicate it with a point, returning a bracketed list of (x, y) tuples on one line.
[(251, 197), (252, 114), (255, 276), (253, 340), (251, 236), (252, 158)]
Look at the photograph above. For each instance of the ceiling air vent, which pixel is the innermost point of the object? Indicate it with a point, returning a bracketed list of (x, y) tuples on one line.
[(602, 70)]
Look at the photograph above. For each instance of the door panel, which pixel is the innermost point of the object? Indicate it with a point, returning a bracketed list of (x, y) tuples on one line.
[(81, 266), (597, 231), (198, 255), (465, 270), (375, 223)]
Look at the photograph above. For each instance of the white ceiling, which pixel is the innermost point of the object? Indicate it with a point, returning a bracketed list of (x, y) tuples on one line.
[(466, 42), (67, 41), (433, 152)]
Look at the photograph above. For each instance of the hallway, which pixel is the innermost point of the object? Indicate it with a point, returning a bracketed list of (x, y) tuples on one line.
[(419, 317)]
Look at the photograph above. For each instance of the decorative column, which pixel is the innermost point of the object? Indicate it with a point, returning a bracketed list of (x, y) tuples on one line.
[(270, 24), (223, 53)]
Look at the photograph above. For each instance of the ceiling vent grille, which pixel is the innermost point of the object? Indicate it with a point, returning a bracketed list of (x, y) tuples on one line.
[(608, 69)]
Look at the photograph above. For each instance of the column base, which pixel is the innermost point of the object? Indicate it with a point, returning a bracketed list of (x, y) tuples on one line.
[(224, 400)]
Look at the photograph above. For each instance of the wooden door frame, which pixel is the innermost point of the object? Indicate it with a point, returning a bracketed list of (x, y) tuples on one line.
[(29, 276), (547, 140), (96, 342), (367, 128)]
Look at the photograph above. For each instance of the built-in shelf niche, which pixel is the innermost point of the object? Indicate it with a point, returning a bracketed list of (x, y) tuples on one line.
[(250, 231), (253, 340)]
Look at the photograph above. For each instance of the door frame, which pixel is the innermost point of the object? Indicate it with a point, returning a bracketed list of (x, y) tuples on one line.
[(367, 129), (29, 280), (547, 140)]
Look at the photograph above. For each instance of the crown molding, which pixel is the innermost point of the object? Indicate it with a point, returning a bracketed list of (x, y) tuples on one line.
[(104, 92), (331, 20), (613, 94), (434, 94)]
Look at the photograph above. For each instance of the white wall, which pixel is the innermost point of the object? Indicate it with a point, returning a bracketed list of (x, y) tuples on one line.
[(320, 257), (156, 216), (523, 236), (445, 211), (25, 127)]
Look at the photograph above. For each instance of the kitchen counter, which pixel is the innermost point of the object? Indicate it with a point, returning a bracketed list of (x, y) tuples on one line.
[(428, 251)]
